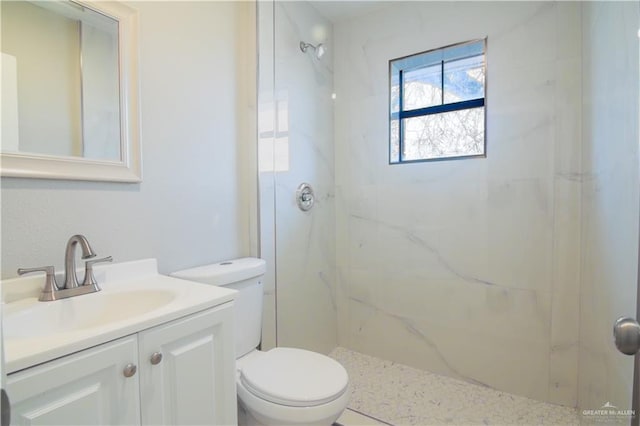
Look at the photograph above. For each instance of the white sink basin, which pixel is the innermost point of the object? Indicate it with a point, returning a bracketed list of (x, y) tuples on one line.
[(134, 297), (31, 319)]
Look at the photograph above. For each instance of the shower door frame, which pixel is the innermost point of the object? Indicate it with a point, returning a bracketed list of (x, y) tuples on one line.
[(635, 401)]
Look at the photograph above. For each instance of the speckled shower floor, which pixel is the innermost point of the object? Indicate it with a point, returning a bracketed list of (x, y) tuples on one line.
[(400, 395)]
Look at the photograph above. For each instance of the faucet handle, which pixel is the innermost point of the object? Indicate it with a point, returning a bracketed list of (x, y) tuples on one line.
[(89, 278), (50, 284)]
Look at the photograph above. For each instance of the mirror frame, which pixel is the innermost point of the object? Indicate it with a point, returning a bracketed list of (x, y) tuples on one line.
[(129, 168)]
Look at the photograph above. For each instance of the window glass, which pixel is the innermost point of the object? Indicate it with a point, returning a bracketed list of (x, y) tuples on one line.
[(450, 134), (464, 79), (437, 104), (422, 87)]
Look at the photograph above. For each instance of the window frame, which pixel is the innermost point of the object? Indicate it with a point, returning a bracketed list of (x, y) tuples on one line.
[(435, 109)]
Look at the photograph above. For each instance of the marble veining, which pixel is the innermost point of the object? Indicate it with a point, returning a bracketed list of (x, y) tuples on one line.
[(439, 257), (441, 260), (412, 328), (401, 395)]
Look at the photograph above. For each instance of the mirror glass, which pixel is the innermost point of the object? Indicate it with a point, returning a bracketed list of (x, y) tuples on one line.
[(69, 90), (60, 92)]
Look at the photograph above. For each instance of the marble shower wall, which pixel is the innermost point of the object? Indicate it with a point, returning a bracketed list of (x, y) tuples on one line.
[(610, 198), (467, 268), (296, 146)]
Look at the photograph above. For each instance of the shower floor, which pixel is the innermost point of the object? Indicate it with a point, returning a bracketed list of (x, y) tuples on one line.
[(400, 395)]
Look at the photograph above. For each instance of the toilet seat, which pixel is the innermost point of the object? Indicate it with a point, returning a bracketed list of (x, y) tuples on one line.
[(294, 377)]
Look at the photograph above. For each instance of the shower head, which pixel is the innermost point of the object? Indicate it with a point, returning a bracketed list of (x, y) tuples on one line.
[(319, 49)]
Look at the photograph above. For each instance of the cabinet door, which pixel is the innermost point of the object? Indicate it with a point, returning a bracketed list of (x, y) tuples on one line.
[(85, 388), (194, 381)]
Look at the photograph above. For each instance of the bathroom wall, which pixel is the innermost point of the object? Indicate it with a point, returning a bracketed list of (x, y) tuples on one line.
[(296, 146), (468, 268), (610, 198), (197, 107)]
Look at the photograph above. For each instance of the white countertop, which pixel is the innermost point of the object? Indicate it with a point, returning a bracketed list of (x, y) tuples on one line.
[(36, 332)]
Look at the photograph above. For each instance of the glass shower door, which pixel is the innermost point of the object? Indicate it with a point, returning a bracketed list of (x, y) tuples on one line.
[(295, 148)]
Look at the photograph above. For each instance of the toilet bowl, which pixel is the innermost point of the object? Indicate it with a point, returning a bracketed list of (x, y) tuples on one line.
[(287, 386), (281, 386)]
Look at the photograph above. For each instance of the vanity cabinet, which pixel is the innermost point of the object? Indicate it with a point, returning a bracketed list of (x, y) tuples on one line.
[(85, 388), (187, 371), (185, 374)]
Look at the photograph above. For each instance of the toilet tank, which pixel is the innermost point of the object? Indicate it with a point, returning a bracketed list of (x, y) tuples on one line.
[(245, 276)]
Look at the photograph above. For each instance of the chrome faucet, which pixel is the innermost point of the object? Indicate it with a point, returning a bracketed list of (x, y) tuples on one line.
[(70, 278), (71, 287)]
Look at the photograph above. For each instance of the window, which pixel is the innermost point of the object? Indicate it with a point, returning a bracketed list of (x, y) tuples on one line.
[(436, 104)]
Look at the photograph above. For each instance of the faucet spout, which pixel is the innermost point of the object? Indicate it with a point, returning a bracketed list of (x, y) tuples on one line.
[(71, 280)]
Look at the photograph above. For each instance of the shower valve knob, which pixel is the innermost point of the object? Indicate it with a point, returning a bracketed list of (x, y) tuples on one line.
[(305, 197)]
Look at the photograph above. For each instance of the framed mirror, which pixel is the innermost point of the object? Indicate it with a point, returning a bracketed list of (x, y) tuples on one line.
[(70, 91)]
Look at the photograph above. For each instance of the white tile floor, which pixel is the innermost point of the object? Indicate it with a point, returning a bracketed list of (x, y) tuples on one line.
[(401, 395)]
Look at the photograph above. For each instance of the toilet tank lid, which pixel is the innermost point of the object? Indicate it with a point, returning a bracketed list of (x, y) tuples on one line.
[(225, 272)]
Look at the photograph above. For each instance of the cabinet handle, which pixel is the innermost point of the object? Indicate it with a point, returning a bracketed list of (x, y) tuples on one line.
[(156, 357), (129, 370)]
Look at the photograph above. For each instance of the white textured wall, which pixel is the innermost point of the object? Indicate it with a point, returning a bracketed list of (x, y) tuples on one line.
[(299, 247), (468, 268), (610, 198), (193, 205)]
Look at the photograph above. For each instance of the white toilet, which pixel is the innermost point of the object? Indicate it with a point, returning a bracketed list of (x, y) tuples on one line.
[(282, 386)]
